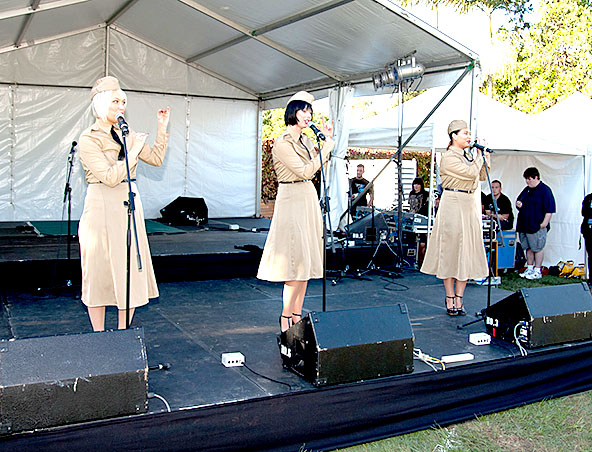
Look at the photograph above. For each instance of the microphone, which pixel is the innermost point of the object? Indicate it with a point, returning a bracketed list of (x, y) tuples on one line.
[(72, 151), (122, 124), (316, 131), (481, 147)]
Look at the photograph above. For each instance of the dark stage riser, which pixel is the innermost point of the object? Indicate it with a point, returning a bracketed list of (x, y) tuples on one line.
[(33, 274), (332, 417)]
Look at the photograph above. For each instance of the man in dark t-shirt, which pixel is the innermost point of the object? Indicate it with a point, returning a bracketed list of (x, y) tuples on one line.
[(357, 186), (504, 206), (536, 205)]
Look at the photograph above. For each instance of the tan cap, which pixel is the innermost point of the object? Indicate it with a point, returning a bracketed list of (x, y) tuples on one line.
[(456, 125), (302, 95), (104, 84)]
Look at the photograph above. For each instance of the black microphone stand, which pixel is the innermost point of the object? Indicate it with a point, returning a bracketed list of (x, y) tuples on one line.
[(131, 210), (68, 199), (325, 208), (481, 314)]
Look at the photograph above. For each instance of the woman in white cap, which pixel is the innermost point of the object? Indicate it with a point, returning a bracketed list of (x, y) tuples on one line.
[(103, 225), (293, 252), (455, 250)]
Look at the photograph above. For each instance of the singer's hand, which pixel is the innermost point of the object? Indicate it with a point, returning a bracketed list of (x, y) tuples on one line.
[(519, 204), (327, 129), (163, 118), (481, 141), (139, 140)]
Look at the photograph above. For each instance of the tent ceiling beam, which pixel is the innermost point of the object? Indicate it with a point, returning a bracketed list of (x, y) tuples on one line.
[(27, 23), (268, 42), (121, 12), (50, 38), (44, 7), (300, 16), (270, 27), (182, 60)]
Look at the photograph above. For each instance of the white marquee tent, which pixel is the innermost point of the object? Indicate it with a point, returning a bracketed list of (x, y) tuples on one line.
[(519, 141), (217, 64)]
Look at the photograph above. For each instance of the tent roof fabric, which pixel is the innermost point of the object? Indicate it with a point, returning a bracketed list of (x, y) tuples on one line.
[(256, 46)]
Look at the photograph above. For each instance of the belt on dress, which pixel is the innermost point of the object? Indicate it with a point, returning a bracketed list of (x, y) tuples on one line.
[(294, 181), (122, 182), (460, 190)]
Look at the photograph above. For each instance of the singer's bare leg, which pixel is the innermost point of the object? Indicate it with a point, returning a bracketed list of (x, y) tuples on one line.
[(121, 318), (293, 299), (97, 317)]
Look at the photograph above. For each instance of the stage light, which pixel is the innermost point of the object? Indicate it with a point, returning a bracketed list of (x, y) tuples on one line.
[(404, 70)]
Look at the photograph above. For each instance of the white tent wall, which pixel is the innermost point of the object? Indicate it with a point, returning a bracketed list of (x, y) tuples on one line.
[(564, 174), (213, 147), (5, 152), (222, 157), (45, 122)]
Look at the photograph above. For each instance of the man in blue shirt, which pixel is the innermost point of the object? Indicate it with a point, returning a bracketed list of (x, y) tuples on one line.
[(536, 205)]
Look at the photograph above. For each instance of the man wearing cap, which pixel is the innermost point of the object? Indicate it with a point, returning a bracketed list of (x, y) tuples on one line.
[(293, 251), (103, 226)]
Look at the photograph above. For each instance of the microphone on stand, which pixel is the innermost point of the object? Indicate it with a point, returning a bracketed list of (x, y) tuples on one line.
[(72, 151), (481, 147), (316, 131), (122, 124)]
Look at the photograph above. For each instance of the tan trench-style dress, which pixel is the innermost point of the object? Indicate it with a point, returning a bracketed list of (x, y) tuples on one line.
[(455, 249), (103, 225), (294, 246)]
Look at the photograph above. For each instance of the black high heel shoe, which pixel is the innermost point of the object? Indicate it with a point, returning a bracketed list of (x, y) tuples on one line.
[(450, 311), (461, 309), (289, 322)]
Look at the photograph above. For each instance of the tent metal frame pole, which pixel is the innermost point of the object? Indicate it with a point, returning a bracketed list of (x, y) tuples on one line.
[(258, 159), (417, 129)]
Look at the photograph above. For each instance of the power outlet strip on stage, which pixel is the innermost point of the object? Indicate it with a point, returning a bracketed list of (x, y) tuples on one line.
[(479, 338), (234, 359), (457, 358)]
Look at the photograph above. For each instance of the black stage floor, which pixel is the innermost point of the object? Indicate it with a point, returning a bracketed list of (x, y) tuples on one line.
[(193, 322)]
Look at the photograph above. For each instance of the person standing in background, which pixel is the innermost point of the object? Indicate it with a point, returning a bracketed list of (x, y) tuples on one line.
[(536, 205)]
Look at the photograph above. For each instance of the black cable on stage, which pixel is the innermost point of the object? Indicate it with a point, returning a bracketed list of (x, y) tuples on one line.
[(403, 286), (267, 378)]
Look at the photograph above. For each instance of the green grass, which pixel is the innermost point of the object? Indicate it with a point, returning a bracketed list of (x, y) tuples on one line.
[(556, 425), (512, 281)]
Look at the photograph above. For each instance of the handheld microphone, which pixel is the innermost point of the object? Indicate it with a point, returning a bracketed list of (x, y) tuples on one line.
[(316, 131), (481, 147), (122, 124)]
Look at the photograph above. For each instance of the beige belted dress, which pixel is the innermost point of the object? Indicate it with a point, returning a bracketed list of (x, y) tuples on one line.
[(455, 249), (103, 224), (294, 246)]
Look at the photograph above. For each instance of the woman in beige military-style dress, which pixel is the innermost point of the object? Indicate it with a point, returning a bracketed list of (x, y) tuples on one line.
[(455, 251), (103, 226), (293, 251)]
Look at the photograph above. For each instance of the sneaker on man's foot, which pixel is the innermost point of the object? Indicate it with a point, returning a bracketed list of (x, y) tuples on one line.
[(534, 275), (528, 271)]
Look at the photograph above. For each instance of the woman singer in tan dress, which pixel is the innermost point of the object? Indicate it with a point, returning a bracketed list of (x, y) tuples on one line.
[(293, 252), (103, 225), (455, 250)]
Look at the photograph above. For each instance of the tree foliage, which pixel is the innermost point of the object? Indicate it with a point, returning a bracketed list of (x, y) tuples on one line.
[(552, 59)]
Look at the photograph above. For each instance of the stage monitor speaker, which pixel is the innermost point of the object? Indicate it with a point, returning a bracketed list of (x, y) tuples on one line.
[(542, 316), (67, 379), (350, 345), (185, 211)]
